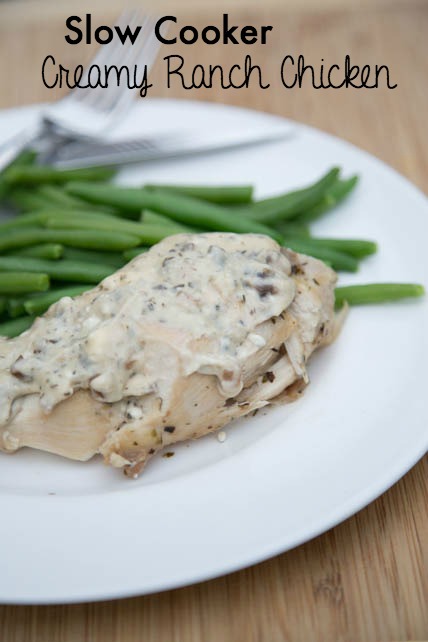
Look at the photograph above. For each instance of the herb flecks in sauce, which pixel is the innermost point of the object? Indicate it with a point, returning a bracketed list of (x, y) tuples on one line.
[(203, 295)]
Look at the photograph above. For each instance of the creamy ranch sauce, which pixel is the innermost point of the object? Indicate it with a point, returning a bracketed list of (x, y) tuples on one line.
[(203, 294)]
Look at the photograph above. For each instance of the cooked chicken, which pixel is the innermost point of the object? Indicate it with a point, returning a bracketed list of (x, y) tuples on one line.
[(198, 331)]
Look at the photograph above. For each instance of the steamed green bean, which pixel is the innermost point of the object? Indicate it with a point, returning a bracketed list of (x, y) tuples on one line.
[(338, 260), (377, 293), (15, 327), (93, 256), (220, 194), (147, 216), (24, 158), (65, 270), (24, 220), (29, 200), (52, 251), (286, 206), (15, 307), (128, 255), (39, 304), (39, 174), (16, 280), (90, 239), (335, 195), (291, 228), (358, 248), (183, 209), (147, 233), (57, 197)]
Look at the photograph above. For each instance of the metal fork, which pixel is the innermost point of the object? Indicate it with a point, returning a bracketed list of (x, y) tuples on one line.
[(89, 112), (168, 145)]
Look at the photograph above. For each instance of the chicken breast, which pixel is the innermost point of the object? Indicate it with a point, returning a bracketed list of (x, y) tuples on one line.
[(200, 330)]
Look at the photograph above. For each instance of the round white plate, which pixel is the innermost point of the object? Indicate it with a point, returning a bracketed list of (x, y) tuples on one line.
[(81, 531)]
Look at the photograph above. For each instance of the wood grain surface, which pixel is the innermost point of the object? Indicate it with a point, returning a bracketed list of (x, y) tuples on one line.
[(367, 579)]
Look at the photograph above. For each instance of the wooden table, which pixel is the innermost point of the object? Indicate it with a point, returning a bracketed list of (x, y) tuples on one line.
[(366, 579)]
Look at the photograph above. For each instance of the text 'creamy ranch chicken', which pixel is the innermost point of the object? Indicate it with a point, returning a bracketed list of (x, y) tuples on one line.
[(200, 330)]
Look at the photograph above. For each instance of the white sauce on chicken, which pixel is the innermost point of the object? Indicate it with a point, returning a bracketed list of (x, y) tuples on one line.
[(204, 294)]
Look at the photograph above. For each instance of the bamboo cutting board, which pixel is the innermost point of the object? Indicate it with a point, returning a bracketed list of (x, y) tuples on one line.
[(367, 579)]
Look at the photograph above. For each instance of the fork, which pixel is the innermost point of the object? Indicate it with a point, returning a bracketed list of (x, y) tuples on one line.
[(87, 113), (79, 153)]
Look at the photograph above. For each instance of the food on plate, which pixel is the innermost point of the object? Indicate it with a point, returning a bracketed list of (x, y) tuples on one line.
[(70, 231), (199, 330), (377, 293)]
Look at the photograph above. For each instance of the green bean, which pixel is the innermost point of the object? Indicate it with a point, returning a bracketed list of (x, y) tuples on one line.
[(15, 307), (24, 220), (358, 248), (42, 199), (15, 327), (29, 201), (88, 214), (70, 214), (291, 228), (56, 196), (38, 217), (376, 293), (38, 174), (37, 303), (92, 256), (40, 303), (221, 194), (338, 260), (146, 233), (147, 216), (14, 280), (52, 251), (65, 270), (183, 209), (86, 239), (335, 195), (136, 251), (112, 222), (3, 304), (24, 158), (286, 206)]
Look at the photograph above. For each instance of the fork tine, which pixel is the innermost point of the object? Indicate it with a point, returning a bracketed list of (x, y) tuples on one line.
[(133, 21), (152, 50), (128, 54), (105, 54), (106, 102), (105, 99), (145, 56), (119, 96), (137, 55)]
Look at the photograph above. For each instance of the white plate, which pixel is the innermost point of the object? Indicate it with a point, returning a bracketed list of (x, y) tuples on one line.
[(72, 531)]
